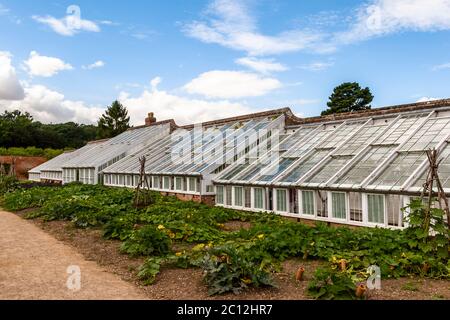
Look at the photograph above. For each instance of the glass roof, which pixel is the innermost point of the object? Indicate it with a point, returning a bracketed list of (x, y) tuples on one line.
[(381, 153)]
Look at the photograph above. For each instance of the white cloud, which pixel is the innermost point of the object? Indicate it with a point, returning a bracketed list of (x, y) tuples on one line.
[(47, 106), (44, 66), (229, 24), (155, 82), (95, 65), (304, 102), (10, 87), (109, 23), (317, 66), (382, 17), (231, 84), (261, 65), (425, 99), (3, 10), (69, 25), (441, 66), (183, 110)]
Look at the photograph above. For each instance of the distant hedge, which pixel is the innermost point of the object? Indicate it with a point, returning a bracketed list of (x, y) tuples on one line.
[(31, 152)]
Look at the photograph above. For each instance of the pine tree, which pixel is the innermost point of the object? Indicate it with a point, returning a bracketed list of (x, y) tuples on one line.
[(348, 97), (114, 121)]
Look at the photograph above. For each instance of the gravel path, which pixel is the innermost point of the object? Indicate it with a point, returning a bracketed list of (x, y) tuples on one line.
[(34, 265)]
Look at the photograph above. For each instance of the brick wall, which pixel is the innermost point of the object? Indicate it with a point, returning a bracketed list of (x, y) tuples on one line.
[(208, 200), (22, 164)]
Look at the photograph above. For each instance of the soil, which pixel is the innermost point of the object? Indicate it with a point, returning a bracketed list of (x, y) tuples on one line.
[(236, 225), (186, 284), (34, 265)]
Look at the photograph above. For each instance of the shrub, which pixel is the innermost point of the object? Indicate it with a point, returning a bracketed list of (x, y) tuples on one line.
[(330, 284), (148, 240), (228, 270), (8, 184)]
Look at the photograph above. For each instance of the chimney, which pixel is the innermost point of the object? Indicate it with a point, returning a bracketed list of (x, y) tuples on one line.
[(150, 119)]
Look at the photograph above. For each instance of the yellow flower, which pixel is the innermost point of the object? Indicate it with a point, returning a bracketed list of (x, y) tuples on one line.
[(198, 247), (179, 254), (161, 227), (171, 235), (246, 281), (261, 236)]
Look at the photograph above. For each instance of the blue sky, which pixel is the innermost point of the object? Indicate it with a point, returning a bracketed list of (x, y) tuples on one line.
[(200, 60)]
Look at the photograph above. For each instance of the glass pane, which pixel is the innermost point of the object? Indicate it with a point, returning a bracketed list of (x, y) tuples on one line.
[(375, 204), (338, 205), (322, 203), (238, 196), (229, 193), (248, 200), (355, 200), (219, 196), (258, 194), (281, 200), (308, 202), (394, 212)]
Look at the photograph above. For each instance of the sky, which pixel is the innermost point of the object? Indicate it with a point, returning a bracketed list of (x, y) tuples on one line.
[(206, 59)]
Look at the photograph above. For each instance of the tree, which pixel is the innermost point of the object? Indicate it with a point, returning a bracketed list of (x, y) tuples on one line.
[(19, 129), (114, 121), (348, 97), (16, 129)]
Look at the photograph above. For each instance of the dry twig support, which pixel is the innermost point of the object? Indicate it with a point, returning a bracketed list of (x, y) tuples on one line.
[(433, 179), (142, 195)]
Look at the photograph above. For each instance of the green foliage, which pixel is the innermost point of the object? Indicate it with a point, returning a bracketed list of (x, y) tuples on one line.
[(331, 284), (150, 269), (427, 228), (114, 121), (8, 184), (31, 152), (348, 97), (148, 240), (228, 269), (19, 130)]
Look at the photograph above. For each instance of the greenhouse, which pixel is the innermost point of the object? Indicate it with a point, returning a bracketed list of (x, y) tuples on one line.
[(87, 167), (52, 169), (185, 162), (357, 168), (359, 171)]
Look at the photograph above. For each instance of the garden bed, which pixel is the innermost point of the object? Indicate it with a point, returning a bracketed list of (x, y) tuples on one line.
[(168, 248)]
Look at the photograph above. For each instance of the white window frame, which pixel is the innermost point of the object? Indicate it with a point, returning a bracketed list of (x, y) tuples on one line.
[(156, 182), (263, 199), (178, 179), (223, 195), (366, 210), (167, 186), (300, 203), (192, 184), (242, 197), (330, 206), (275, 200)]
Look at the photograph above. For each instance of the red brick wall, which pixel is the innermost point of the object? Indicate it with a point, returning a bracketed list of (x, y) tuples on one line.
[(22, 164), (209, 200)]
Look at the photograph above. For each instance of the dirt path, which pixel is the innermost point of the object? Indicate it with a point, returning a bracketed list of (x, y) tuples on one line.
[(33, 265)]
